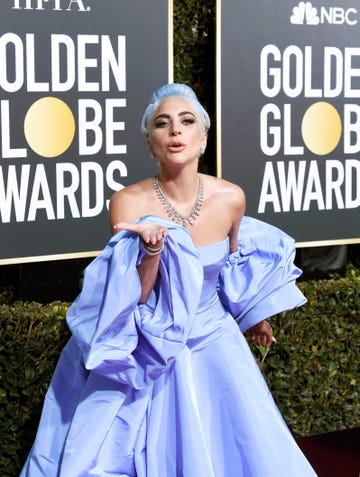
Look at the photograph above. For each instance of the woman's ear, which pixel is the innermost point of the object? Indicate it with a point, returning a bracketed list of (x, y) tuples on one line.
[(203, 143)]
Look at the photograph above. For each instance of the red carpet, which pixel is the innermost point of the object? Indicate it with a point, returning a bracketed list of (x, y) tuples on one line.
[(336, 454)]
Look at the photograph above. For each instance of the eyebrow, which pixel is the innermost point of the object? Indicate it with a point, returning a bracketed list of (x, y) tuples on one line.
[(165, 115)]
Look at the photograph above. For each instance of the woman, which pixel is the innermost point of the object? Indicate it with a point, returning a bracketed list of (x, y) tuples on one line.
[(157, 379)]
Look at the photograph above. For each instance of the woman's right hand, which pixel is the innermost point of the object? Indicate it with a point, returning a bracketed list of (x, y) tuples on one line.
[(149, 232)]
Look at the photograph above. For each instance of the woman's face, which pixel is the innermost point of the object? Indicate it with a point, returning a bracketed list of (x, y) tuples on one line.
[(176, 134)]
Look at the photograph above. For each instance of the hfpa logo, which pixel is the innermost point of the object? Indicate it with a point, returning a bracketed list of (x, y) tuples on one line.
[(57, 5), (306, 14)]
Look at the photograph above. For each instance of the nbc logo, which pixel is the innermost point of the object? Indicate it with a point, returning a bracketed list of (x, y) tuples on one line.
[(306, 14)]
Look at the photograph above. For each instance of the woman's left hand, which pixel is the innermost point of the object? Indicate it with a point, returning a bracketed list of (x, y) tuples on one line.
[(261, 334)]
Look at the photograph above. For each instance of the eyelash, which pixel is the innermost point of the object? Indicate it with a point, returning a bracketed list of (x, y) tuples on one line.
[(163, 123)]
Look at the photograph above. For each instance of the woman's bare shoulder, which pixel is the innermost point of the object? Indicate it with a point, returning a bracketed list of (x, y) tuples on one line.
[(132, 189), (129, 203), (228, 190)]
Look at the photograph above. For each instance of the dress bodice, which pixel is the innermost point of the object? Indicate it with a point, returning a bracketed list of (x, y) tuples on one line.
[(210, 314), (213, 258)]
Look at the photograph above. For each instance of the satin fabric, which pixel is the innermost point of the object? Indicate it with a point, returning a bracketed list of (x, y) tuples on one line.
[(170, 388)]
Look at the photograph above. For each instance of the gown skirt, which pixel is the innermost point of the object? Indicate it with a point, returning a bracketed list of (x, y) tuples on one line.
[(170, 388)]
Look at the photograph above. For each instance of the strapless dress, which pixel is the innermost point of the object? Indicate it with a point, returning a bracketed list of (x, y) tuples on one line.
[(170, 388)]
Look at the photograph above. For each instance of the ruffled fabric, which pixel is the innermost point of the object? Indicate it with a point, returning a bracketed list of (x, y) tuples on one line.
[(259, 279), (120, 339)]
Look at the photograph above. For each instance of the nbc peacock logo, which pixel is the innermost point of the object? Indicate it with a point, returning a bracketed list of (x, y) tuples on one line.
[(305, 14)]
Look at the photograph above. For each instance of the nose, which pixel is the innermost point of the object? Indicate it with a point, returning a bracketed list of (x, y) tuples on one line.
[(175, 130)]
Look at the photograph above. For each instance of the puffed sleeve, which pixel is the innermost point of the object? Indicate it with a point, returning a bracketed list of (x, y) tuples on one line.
[(258, 280), (121, 339)]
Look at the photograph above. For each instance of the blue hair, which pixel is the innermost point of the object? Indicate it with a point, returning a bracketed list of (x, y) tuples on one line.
[(173, 89)]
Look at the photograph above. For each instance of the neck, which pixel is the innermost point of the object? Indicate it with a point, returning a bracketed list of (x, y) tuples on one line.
[(180, 186)]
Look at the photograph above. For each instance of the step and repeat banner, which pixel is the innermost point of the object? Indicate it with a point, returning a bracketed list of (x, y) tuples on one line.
[(75, 78), (289, 113)]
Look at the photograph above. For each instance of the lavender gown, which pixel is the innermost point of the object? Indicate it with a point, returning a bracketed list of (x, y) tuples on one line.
[(170, 388)]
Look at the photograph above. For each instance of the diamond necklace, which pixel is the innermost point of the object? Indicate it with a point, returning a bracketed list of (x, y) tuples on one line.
[(172, 212)]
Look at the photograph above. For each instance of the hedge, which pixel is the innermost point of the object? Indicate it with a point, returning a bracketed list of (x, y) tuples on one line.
[(312, 370), (31, 338)]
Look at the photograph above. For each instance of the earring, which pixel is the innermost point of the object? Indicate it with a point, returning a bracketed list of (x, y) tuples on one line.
[(201, 152)]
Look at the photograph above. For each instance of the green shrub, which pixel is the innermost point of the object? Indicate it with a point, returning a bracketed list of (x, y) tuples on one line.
[(31, 337), (313, 369)]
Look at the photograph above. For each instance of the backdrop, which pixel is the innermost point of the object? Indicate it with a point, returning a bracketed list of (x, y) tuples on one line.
[(289, 110), (75, 78)]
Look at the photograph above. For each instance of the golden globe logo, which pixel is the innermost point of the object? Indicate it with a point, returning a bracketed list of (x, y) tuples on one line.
[(54, 5), (49, 127)]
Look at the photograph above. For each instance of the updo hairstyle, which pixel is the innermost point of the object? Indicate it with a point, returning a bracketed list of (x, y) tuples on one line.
[(167, 91)]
